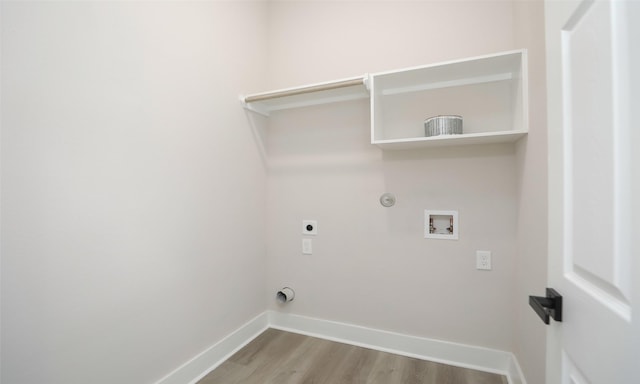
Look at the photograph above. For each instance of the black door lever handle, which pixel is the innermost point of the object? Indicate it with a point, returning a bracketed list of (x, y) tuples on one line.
[(551, 305)]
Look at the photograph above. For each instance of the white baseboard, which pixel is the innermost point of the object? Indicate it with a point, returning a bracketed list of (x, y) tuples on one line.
[(456, 354), (515, 374), (205, 362)]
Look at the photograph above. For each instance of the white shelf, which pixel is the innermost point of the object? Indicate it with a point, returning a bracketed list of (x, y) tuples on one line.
[(314, 94), (489, 92), (450, 140)]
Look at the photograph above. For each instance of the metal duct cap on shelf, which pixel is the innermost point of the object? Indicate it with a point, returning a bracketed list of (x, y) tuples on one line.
[(443, 125)]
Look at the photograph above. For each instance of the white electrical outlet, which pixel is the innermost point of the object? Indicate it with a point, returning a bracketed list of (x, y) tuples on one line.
[(307, 247), (483, 260)]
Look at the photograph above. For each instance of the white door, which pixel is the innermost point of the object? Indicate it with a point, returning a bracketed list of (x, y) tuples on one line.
[(593, 60)]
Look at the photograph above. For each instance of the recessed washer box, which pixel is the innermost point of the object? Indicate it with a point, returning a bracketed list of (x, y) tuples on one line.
[(441, 224)]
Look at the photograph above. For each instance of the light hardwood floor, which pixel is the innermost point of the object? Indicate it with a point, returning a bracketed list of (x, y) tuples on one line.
[(278, 357)]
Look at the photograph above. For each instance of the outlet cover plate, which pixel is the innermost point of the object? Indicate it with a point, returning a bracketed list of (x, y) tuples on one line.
[(483, 260), (307, 247)]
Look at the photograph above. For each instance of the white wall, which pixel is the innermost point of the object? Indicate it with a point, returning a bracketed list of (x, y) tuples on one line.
[(133, 204), (531, 266), (371, 265), (310, 41)]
